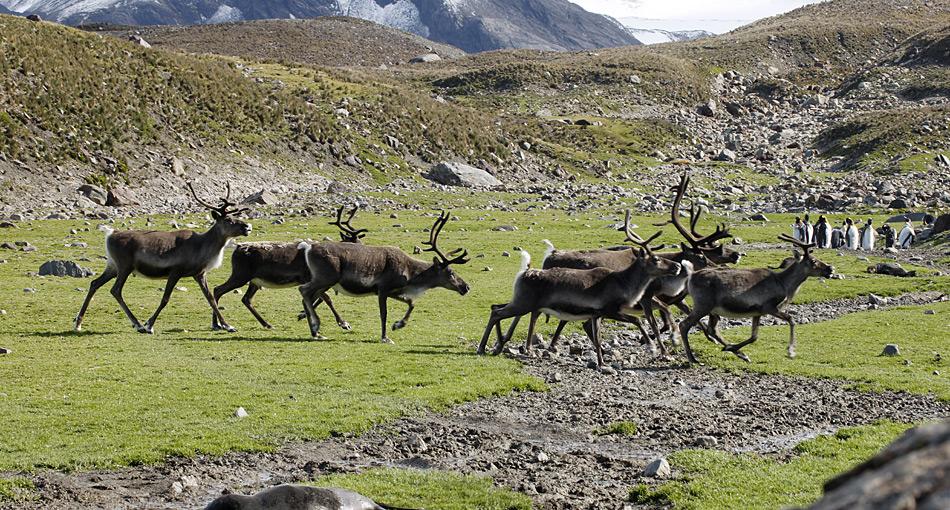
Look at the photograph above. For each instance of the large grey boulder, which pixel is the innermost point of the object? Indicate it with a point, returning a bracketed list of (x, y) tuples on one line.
[(425, 59), (262, 197), (913, 472), (94, 193), (64, 268), (460, 174), (121, 197)]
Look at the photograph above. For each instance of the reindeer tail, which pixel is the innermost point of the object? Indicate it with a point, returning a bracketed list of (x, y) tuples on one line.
[(525, 262), (550, 249)]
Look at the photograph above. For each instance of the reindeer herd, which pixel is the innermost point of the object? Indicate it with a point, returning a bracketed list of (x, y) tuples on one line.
[(624, 283)]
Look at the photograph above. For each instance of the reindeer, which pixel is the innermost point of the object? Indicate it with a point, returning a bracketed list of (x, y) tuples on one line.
[(384, 271), (279, 266), (580, 294), (751, 293), (170, 256)]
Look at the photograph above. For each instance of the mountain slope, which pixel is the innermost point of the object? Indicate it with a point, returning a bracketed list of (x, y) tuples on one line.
[(473, 25), (657, 36), (818, 43), (329, 41)]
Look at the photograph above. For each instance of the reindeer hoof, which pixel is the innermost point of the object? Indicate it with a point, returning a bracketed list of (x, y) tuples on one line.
[(742, 356), (386, 340), (345, 326), (145, 330), (791, 354), (230, 329), (267, 326), (398, 325)]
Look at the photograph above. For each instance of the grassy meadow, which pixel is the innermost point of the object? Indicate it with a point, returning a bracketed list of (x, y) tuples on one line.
[(109, 397)]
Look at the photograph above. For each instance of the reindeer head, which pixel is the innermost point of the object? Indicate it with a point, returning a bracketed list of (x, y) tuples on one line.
[(814, 266), (348, 234), (647, 261), (224, 214), (441, 273)]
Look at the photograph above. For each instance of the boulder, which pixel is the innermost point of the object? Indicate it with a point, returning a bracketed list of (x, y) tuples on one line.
[(758, 217), (726, 155), (891, 350), (138, 40), (34, 17), (337, 188), (898, 203), (891, 269), (425, 59), (64, 268), (262, 197), (942, 224), (912, 472), (708, 109), (658, 468), (460, 174), (121, 197), (94, 193)]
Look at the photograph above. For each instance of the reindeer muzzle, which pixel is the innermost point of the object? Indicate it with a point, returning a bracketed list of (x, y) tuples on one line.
[(463, 290), (247, 229)]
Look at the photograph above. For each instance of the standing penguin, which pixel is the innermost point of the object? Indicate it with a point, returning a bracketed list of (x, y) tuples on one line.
[(868, 235), (889, 235), (906, 237), (851, 236), (798, 231), (808, 231), (822, 233)]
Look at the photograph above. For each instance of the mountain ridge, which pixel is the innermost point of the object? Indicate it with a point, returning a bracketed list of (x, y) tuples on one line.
[(472, 25)]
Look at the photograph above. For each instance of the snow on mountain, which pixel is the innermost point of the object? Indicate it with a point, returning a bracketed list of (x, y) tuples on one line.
[(63, 8), (401, 14), (657, 36)]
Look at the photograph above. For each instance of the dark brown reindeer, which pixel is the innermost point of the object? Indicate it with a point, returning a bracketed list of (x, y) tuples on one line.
[(384, 271), (170, 256), (579, 294), (279, 266), (728, 292)]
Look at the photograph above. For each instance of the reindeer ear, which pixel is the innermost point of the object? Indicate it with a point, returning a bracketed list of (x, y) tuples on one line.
[(216, 215), (796, 254), (436, 261)]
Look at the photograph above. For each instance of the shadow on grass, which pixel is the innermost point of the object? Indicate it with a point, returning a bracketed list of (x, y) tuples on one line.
[(66, 333)]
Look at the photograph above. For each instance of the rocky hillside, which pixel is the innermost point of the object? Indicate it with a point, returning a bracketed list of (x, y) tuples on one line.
[(327, 41), (473, 25)]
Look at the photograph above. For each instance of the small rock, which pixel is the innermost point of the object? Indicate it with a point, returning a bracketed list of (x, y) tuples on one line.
[(505, 228), (930, 312), (64, 268), (658, 468), (240, 413), (706, 442), (891, 350), (876, 300), (608, 371), (262, 197), (417, 444), (758, 217), (543, 457), (177, 489)]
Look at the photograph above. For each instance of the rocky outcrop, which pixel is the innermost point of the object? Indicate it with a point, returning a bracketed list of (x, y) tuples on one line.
[(64, 268), (913, 472), (460, 174)]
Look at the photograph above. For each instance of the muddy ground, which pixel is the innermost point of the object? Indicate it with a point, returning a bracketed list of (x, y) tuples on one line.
[(543, 444)]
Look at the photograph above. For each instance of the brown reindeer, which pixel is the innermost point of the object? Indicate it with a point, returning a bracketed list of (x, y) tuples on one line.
[(722, 292), (579, 294), (170, 256), (384, 271), (278, 266)]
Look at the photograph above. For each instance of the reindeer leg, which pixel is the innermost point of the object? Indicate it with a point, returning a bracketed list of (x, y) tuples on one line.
[(685, 325), (557, 335), (202, 280), (511, 329), (532, 322), (651, 320), (712, 330), (668, 323), (735, 349), (307, 292), (117, 294), (595, 338), (234, 283), (401, 323), (169, 288), (345, 326), (382, 317), (108, 274), (493, 321), (791, 330), (248, 296)]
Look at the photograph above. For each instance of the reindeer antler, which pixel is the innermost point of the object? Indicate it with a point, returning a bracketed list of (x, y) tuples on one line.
[(348, 234), (635, 238), (806, 247), (696, 240), (225, 209), (433, 243)]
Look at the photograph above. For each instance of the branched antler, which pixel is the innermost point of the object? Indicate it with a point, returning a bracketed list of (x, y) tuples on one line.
[(348, 234), (433, 243), (226, 207), (635, 238), (806, 247)]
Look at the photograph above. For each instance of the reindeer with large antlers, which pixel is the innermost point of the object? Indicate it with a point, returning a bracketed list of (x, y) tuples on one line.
[(738, 293), (384, 271), (580, 294), (278, 266), (170, 256)]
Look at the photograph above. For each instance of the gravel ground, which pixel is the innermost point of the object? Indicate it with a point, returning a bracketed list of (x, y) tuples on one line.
[(543, 444)]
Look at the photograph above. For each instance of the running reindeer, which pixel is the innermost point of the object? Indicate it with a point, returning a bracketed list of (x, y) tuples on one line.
[(279, 266), (170, 256), (384, 271), (580, 294), (728, 292)]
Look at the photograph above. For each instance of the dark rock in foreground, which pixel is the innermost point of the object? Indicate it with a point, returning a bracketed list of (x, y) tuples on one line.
[(64, 268)]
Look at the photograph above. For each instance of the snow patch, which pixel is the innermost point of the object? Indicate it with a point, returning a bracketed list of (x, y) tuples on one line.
[(225, 14), (401, 14), (63, 9)]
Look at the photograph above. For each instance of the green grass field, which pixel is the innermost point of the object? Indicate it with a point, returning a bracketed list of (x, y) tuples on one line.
[(109, 397), (713, 480)]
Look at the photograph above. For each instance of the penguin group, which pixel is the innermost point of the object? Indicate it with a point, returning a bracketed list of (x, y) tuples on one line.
[(850, 236)]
